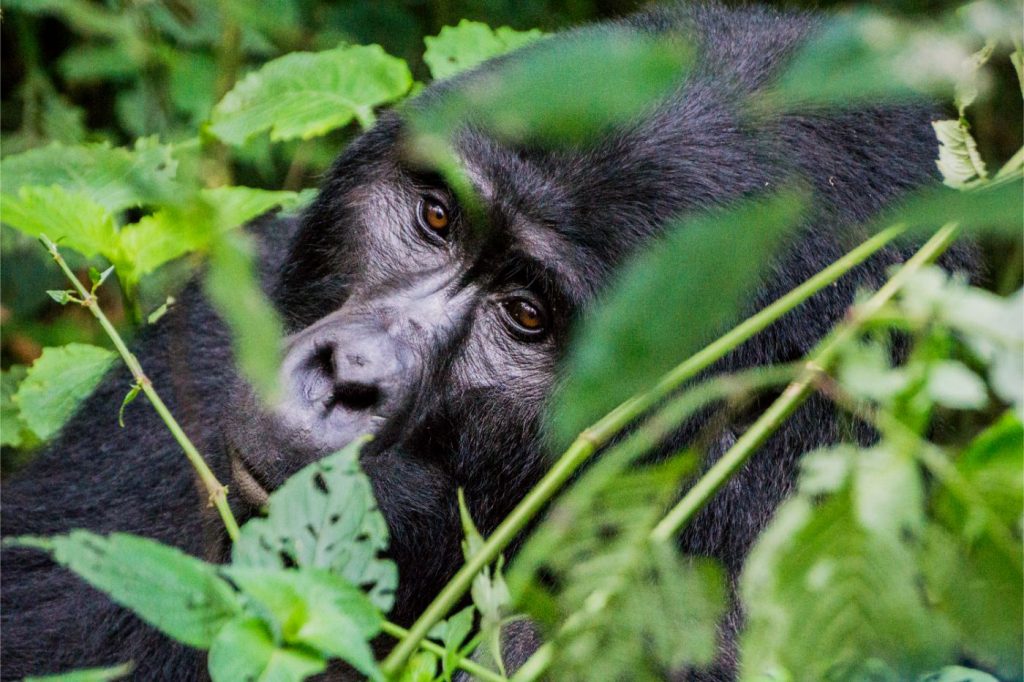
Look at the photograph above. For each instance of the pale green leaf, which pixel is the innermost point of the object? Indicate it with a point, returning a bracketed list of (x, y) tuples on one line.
[(953, 384), (304, 95), (88, 675), (959, 160), (325, 516), (70, 218), (458, 48), (174, 592), (244, 651), (829, 598), (113, 177), (57, 382)]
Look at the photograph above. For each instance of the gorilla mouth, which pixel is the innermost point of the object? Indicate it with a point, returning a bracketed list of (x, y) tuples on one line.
[(248, 482)]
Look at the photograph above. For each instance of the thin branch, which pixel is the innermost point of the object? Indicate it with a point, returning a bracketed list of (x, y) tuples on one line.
[(471, 667), (217, 492)]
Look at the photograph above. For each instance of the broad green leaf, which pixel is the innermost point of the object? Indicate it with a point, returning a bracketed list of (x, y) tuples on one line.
[(973, 582), (558, 92), (999, 210), (57, 382), (234, 287), (13, 430), (174, 231), (458, 48), (70, 218), (659, 311), (959, 160), (827, 597), (245, 651), (422, 667), (325, 516), (89, 675), (314, 608), (113, 177), (866, 55), (304, 95), (178, 594)]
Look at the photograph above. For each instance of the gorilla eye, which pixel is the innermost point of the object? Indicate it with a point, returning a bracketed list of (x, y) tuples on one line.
[(525, 317), (434, 217)]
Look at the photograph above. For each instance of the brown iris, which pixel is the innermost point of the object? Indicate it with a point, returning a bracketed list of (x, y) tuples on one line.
[(435, 216), (525, 315)]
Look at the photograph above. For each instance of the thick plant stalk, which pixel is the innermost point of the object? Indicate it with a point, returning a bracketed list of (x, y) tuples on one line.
[(216, 491), (795, 394), (604, 429)]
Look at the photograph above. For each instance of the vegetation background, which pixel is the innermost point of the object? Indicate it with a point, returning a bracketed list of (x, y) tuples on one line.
[(116, 70)]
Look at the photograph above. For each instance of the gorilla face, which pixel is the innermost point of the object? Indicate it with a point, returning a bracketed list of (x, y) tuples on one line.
[(437, 336)]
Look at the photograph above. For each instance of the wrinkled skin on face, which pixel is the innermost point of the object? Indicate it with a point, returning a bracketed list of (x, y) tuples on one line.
[(437, 336)]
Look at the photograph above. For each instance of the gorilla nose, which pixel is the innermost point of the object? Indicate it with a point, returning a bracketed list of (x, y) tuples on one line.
[(355, 374)]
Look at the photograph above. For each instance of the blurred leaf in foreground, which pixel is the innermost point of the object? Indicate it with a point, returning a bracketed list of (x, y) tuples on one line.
[(458, 48), (57, 383), (557, 92), (306, 94), (89, 675), (658, 312)]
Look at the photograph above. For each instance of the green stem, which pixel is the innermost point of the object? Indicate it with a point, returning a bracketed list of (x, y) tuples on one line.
[(471, 667), (796, 392), (597, 435), (217, 492)]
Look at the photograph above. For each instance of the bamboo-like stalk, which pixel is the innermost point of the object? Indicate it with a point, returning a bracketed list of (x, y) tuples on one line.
[(216, 491)]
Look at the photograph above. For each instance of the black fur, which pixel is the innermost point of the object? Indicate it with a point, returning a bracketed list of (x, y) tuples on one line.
[(468, 410)]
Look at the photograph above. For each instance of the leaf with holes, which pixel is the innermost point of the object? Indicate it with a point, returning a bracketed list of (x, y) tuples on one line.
[(458, 48), (325, 516)]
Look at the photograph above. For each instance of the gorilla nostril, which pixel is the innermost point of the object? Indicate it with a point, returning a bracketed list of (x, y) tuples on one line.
[(354, 396)]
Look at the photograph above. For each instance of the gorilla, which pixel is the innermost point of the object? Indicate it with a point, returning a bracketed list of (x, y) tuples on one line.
[(445, 341)]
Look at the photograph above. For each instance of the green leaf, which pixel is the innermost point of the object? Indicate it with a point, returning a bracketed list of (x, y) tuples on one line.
[(62, 296), (956, 673), (325, 516), (176, 230), (866, 55), (112, 177), (90, 675), (129, 398), (954, 385), (959, 160), (422, 667), (13, 430), (176, 593), (234, 288), (317, 609), (524, 97), (97, 63), (305, 95), (999, 210), (68, 217), (98, 278), (244, 651), (458, 48), (658, 312), (57, 382), (827, 597)]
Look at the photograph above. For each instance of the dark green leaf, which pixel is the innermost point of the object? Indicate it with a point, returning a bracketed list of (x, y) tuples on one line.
[(999, 210)]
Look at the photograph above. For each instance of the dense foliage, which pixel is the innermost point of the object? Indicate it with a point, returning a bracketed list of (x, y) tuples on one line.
[(891, 562)]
